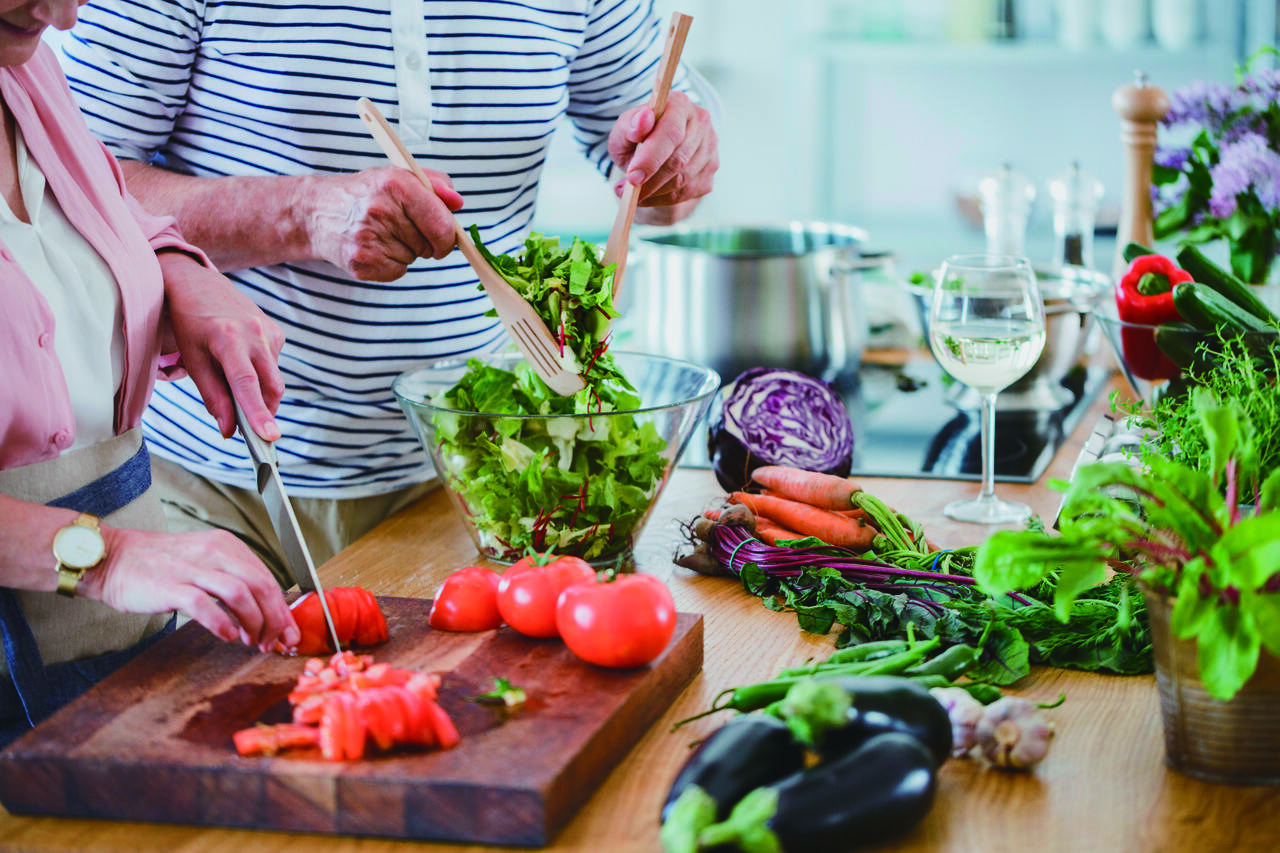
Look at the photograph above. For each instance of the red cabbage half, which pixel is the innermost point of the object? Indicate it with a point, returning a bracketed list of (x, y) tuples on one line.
[(771, 416)]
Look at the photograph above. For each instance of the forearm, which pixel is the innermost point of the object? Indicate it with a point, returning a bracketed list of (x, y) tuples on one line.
[(239, 222), (26, 543)]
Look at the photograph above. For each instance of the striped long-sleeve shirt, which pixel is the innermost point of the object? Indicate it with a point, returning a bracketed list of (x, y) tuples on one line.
[(266, 87)]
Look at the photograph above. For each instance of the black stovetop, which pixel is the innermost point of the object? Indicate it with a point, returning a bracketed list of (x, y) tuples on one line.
[(906, 423)]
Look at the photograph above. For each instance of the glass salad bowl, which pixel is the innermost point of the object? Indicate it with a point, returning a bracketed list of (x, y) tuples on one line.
[(581, 483), (1154, 357)]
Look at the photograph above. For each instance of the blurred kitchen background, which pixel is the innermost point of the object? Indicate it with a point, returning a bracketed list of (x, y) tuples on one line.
[(885, 114)]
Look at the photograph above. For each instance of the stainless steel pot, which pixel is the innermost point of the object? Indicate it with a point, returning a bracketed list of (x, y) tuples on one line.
[(739, 296)]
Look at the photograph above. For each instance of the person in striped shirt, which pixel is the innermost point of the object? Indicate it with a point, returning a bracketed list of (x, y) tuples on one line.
[(237, 117)]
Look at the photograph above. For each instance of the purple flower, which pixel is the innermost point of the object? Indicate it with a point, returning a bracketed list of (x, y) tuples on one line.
[(1172, 158), (1203, 103), (1264, 83), (1247, 163)]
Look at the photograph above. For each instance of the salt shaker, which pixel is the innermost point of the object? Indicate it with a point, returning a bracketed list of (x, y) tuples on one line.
[(1075, 197), (1006, 200)]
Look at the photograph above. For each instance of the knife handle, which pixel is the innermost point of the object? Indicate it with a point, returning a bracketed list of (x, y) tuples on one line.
[(262, 452)]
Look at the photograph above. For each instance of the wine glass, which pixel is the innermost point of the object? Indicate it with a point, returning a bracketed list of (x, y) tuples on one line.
[(986, 328)]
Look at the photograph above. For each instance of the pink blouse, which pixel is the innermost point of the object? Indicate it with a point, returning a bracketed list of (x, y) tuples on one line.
[(36, 421)]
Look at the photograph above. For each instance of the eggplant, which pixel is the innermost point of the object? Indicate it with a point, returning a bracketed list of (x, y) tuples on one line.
[(878, 791), (749, 751), (885, 703)]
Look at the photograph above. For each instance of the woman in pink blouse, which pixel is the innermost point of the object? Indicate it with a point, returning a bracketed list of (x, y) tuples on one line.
[(98, 299)]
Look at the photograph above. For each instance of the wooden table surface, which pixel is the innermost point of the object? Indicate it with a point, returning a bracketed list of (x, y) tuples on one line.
[(1103, 787)]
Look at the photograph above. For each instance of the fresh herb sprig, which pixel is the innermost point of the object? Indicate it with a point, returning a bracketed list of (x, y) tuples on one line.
[(1240, 371)]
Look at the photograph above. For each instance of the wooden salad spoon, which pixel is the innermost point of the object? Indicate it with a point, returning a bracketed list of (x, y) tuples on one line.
[(526, 328), (615, 251)]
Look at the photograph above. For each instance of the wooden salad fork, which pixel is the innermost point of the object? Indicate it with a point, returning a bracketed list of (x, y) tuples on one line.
[(615, 251), (526, 328)]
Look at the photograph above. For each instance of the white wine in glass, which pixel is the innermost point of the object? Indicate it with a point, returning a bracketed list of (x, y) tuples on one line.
[(986, 328)]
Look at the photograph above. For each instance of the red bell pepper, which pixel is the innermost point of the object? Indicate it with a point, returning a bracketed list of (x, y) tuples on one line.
[(1144, 295)]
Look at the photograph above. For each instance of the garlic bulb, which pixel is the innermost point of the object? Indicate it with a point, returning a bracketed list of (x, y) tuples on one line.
[(1013, 734), (965, 712)]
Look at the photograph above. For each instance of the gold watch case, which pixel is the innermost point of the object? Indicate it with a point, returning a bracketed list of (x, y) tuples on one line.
[(77, 547)]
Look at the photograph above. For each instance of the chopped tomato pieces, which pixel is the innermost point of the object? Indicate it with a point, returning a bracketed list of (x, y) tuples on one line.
[(342, 705)]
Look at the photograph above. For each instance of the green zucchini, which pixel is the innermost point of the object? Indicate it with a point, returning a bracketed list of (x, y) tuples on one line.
[(1181, 342), (1206, 272), (1136, 250), (1207, 309)]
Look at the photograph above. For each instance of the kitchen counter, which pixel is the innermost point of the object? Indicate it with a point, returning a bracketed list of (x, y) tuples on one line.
[(1103, 787)]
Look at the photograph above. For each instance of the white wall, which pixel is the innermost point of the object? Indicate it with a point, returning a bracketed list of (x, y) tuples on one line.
[(884, 130)]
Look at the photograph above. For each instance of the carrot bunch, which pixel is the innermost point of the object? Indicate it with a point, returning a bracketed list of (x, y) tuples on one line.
[(342, 705), (796, 503)]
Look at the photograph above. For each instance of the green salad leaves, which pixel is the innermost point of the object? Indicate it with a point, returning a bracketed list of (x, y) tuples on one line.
[(572, 293), (528, 476)]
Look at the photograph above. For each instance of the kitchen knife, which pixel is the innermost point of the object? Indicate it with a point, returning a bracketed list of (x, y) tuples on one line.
[(271, 487)]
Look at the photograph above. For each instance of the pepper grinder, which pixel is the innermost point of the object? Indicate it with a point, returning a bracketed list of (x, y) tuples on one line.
[(1140, 106), (1075, 197), (1006, 200)]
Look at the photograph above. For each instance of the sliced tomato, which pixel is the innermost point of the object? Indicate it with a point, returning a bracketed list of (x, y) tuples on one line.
[(377, 718), (353, 735), (269, 740), (446, 732), (332, 728), (310, 621), (372, 627)]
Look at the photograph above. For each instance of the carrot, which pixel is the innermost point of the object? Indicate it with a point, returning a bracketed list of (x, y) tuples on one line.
[(771, 531), (713, 514), (825, 491), (830, 527), (858, 513)]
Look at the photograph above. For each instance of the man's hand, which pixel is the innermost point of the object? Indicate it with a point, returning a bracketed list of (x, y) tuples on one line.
[(228, 346), (374, 224), (674, 161)]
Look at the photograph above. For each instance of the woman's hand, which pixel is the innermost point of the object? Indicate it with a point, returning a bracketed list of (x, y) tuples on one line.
[(211, 576), (673, 160), (228, 346)]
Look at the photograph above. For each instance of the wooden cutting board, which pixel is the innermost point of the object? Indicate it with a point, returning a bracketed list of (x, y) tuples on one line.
[(153, 741)]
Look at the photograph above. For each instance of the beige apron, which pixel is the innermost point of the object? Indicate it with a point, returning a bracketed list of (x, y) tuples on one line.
[(74, 628)]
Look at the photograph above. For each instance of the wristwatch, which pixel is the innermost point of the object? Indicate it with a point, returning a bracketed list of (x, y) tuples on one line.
[(77, 547)]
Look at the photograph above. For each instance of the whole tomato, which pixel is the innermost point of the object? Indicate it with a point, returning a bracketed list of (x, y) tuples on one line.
[(529, 590), (467, 601), (627, 621)]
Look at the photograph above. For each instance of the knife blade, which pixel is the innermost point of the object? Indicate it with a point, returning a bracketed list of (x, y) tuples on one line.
[(276, 500)]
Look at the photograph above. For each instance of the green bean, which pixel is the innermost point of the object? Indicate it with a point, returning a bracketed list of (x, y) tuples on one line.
[(952, 663), (983, 692), (861, 653)]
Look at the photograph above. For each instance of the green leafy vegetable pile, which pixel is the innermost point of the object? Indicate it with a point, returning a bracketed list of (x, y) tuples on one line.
[(1107, 632), (900, 585), (576, 485)]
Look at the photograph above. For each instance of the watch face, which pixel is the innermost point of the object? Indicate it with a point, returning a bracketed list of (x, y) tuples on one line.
[(78, 546)]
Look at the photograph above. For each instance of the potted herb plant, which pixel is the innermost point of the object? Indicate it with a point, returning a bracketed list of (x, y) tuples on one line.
[(1225, 184), (1200, 534)]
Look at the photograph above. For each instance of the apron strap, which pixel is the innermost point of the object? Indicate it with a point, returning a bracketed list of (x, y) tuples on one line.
[(112, 490), (26, 667), (103, 496)]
